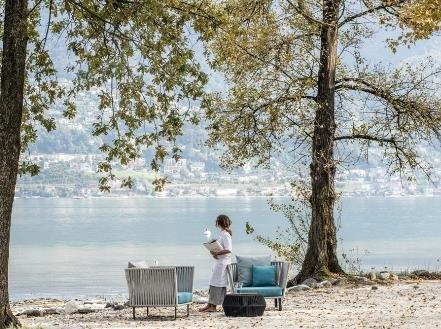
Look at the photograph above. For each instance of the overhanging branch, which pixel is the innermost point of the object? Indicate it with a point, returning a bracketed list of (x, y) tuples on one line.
[(367, 137), (385, 7)]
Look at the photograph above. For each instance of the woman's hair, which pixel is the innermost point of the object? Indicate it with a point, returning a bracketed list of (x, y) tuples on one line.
[(224, 222)]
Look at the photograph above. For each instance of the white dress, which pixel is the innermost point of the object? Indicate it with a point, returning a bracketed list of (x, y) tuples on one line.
[(218, 275)]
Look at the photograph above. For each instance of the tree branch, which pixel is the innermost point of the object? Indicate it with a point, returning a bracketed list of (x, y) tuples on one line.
[(301, 11), (371, 10), (367, 137)]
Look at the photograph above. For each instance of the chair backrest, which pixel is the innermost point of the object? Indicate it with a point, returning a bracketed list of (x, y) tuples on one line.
[(152, 286)]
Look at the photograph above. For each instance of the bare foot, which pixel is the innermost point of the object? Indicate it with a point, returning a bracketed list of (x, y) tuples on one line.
[(211, 309)]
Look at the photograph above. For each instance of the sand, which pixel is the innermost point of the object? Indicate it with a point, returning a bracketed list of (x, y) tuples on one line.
[(406, 304)]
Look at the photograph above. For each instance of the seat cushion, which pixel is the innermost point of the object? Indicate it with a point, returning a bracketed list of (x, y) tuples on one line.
[(264, 276), (185, 297), (264, 291), (244, 267)]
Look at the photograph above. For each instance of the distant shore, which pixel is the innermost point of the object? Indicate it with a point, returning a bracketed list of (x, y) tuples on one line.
[(140, 196)]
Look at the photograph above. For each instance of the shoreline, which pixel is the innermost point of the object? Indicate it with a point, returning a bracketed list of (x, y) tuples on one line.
[(401, 304), (217, 197)]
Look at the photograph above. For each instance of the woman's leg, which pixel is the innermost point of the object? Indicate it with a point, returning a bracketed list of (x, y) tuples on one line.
[(216, 297)]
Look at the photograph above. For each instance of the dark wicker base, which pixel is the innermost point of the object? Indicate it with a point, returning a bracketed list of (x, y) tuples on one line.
[(244, 305)]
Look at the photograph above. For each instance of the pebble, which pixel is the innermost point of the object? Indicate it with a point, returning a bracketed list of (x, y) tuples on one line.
[(325, 284), (71, 307), (310, 282), (300, 287), (384, 275), (372, 276)]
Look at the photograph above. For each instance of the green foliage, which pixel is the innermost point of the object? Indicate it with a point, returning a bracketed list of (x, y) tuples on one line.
[(289, 242), (268, 51), (136, 55)]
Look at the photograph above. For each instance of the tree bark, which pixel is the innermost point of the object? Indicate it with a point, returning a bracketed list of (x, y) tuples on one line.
[(11, 109), (321, 256)]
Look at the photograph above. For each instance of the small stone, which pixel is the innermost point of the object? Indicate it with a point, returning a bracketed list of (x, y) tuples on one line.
[(71, 307), (374, 288), (32, 312), (85, 310), (50, 311), (372, 276), (340, 282), (384, 275), (300, 287), (325, 284), (310, 282), (109, 305), (360, 278), (118, 307), (394, 277)]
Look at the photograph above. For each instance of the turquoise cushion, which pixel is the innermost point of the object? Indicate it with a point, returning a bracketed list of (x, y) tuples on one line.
[(264, 291), (264, 276), (245, 264), (185, 297)]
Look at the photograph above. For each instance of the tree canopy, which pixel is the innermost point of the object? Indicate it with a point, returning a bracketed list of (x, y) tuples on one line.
[(137, 54)]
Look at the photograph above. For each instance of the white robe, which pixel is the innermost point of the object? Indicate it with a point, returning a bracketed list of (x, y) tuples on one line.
[(218, 275)]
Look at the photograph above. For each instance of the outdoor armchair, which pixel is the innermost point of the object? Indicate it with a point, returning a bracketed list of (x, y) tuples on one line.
[(276, 292), (160, 287)]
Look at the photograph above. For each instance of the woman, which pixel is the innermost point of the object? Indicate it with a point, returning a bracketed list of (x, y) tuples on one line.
[(218, 280)]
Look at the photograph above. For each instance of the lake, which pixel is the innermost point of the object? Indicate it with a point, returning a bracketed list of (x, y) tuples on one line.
[(80, 247)]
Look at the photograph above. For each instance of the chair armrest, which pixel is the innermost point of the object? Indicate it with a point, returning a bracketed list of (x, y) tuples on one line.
[(282, 269), (185, 278)]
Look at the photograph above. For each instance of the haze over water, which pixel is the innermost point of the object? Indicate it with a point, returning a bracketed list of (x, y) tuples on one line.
[(80, 247)]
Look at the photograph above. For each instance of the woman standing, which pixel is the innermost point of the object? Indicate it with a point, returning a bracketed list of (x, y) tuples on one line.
[(218, 279)]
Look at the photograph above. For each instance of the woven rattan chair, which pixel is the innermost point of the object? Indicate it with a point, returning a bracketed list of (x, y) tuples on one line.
[(277, 292), (160, 287)]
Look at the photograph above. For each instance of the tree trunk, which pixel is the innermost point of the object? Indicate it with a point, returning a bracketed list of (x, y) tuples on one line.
[(321, 256), (11, 109)]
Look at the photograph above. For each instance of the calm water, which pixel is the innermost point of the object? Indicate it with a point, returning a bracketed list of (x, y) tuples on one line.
[(80, 247)]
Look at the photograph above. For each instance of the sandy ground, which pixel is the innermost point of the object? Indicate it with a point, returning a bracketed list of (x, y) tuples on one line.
[(408, 304)]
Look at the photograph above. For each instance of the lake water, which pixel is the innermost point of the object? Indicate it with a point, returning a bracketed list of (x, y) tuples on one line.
[(80, 247)]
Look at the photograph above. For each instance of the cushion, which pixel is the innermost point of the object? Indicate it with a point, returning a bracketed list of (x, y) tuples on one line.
[(140, 264), (185, 297), (264, 291), (244, 267), (264, 276)]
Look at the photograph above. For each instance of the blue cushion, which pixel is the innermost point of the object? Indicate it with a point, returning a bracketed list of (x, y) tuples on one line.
[(264, 276), (185, 297), (264, 291), (244, 267)]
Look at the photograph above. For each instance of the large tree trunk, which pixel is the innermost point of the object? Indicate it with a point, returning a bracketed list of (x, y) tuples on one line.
[(321, 256), (11, 109)]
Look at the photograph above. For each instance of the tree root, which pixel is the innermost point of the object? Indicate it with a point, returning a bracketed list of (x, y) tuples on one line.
[(7, 319)]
